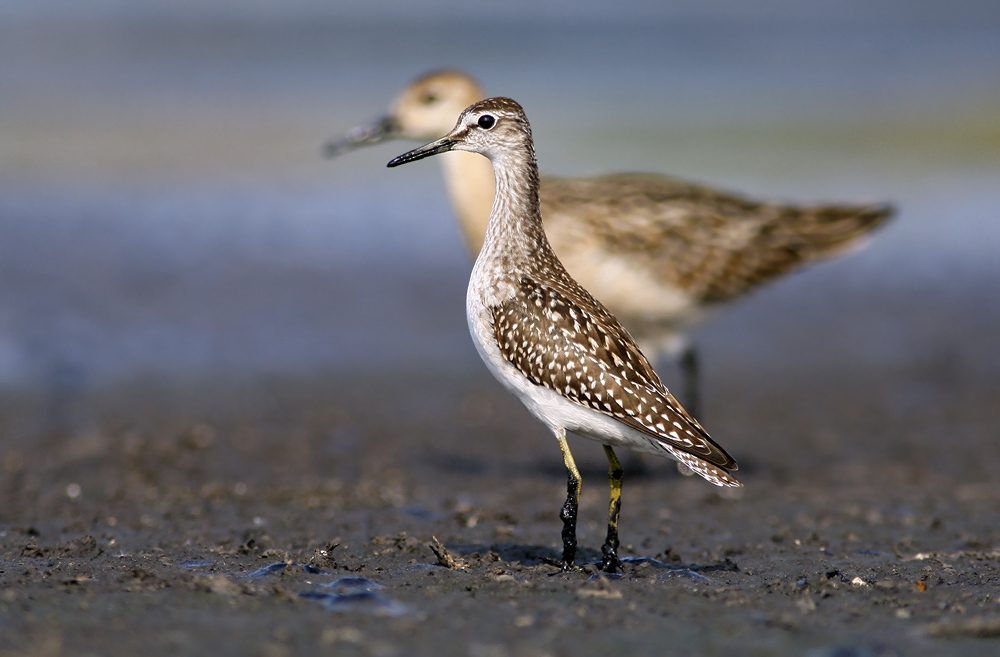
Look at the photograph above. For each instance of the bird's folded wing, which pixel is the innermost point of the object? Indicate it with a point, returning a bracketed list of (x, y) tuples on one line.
[(585, 355)]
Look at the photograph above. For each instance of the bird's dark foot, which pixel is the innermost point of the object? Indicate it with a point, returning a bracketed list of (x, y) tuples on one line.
[(562, 566), (610, 563), (569, 553)]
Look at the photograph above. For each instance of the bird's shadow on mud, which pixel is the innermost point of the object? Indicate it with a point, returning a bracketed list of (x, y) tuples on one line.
[(540, 555)]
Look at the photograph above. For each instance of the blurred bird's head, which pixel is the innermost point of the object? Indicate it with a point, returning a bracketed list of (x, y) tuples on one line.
[(425, 110)]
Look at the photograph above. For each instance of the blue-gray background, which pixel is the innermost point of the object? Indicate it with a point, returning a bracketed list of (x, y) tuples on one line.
[(165, 212)]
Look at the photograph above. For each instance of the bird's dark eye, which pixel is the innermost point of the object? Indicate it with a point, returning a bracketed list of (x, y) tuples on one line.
[(429, 99), (486, 121)]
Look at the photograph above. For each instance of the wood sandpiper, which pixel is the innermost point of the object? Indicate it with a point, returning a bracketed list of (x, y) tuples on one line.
[(663, 254), (549, 342)]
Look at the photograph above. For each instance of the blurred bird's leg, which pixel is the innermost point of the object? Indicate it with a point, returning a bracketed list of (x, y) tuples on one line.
[(690, 371)]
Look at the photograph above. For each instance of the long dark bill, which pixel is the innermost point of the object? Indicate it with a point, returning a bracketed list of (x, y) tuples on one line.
[(365, 135), (442, 145)]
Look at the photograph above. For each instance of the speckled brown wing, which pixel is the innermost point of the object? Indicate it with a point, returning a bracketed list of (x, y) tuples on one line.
[(788, 238), (576, 348), (713, 244)]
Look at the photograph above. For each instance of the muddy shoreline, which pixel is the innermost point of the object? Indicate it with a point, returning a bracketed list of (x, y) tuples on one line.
[(226, 515)]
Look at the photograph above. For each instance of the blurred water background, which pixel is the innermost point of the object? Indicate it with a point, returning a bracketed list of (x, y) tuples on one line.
[(165, 212)]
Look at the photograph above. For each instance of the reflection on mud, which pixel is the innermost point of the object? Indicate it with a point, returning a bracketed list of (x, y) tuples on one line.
[(356, 594)]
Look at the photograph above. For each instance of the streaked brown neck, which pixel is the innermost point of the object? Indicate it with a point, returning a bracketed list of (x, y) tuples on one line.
[(515, 237)]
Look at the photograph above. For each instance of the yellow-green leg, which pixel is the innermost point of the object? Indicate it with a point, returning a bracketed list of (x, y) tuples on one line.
[(610, 563), (569, 509)]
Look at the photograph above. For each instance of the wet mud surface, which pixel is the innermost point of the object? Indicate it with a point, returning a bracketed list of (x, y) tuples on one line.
[(280, 517)]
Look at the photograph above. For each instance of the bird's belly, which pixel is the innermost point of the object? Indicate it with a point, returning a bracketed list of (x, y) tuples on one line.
[(556, 411), (633, 293)]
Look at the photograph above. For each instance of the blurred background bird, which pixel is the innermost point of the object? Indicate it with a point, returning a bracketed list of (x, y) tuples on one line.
[(662, 253)]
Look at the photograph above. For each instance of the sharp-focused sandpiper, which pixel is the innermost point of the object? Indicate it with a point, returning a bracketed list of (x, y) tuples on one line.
[(548, 341), (663, 254)]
